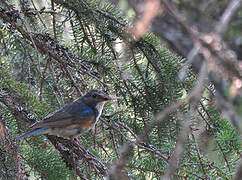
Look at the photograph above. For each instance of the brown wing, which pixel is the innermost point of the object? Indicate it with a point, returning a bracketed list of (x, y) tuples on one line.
[(74, 113)]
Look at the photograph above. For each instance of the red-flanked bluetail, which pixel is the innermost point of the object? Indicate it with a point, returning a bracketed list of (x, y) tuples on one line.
[(73, 118)]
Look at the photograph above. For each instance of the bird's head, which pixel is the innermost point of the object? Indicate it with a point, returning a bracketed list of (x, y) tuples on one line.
[(94, 97)]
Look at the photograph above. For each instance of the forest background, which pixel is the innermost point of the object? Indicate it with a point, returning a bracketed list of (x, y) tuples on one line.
[(176, 64)]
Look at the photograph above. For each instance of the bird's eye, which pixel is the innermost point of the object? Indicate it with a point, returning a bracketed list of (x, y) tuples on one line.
[(94, 95)]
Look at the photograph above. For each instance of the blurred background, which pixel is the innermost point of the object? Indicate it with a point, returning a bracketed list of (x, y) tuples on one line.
[(176, 64)]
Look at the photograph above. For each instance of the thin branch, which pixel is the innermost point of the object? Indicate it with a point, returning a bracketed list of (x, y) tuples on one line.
[(54, 19), (227, 16), (179, 149), (116, 172)]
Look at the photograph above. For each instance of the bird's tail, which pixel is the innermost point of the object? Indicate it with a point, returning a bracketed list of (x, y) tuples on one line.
[(33, 132)]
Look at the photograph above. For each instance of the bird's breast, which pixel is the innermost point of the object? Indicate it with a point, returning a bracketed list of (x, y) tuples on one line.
[(72, 130), (99, 108)]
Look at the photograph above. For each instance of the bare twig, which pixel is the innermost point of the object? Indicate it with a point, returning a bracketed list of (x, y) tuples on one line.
[(116, 171), (54, 19), (180, 145), (227, 16), (152, 9)]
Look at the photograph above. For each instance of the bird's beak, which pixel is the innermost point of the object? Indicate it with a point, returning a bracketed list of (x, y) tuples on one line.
[(109, 102), (107, 98)]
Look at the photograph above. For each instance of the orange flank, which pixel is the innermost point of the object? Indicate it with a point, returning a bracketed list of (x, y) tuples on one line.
[(86, 124)]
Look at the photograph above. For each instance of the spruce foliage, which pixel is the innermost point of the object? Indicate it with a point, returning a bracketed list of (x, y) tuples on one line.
[(41, 74)]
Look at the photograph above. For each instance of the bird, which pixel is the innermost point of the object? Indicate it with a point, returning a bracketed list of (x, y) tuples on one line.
[(74, 118)]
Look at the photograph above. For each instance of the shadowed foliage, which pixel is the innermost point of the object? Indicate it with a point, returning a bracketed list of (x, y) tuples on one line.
[(164, 126)]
